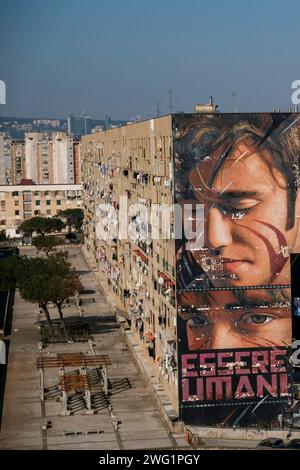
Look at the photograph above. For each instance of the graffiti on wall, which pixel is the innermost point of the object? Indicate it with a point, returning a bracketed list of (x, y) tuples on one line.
[(233, 291)]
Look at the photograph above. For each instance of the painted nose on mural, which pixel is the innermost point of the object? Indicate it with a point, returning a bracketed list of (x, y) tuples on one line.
[(220, 335), (219, 229)]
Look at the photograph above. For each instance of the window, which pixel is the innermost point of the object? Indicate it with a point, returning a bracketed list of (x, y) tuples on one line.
[(17, 212), (16, 203), (2, 204), (37, 212), (48, 211), (37, 202), (58, 202), (48, 203), (15, 193), (3, 222), (27, 196)]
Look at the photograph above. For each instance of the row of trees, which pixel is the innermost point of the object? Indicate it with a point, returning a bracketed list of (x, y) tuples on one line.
[(49, 279), (43, 227), (70, 218), (42, 280)]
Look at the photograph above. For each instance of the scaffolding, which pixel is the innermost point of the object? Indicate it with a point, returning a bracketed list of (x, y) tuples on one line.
[(74, 383)]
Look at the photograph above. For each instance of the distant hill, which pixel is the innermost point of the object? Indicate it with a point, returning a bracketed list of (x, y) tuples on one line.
[(16, 127)]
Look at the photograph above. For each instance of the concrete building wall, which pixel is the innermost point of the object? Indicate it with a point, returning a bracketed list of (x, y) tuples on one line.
[(43, 161), (59, 157), (18, 161), (232, 304), (2, 161), (5, 159), (141, 273), (43, 158), (70, 161), (51, 159), (135, 162), (77, 162), (31, 139)]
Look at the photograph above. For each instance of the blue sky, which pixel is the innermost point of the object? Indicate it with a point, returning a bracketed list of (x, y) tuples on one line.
[(119, 57)]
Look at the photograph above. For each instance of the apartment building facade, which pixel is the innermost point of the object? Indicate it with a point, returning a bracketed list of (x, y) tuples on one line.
[(78, 125), (18, 162), (42, 157), (198, 300), (136, 162), (5, 159), (52, 159), (21, 202)]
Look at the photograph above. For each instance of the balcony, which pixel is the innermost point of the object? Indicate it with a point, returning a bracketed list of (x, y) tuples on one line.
[(167, 287)]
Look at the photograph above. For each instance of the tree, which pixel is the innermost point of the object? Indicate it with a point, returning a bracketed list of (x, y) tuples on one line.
[(51, 279), (33, 282), (48, 243), (64, 283), (9, 272), (41, 225), (73, 218), (3, 237), (42, 280), (4, 240)]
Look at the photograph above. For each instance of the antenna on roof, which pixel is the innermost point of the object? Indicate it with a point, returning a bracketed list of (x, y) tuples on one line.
[(107, 121), (234, 107), (170, 91), (157, 109)]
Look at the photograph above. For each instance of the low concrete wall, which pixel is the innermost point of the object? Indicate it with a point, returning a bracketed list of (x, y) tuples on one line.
[(241, 433)]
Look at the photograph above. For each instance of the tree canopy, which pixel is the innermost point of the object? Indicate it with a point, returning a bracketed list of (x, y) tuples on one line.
[(9, 268), (62, 280), (41, 225), (3, 236), (72, 218), (47, 243), (42, 280)]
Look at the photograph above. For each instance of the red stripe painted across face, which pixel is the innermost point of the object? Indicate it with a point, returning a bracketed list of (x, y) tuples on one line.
[(277, 261), (280, 237)]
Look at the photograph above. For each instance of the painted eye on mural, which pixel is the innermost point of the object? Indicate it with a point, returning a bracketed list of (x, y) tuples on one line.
[(255, 319), (233, 212), (198, 320)]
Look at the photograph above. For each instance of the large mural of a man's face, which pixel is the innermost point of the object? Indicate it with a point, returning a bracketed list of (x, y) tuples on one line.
[(247, 181), (233, 277)]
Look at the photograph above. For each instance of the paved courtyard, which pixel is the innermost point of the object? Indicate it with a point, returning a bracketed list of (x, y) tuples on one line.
[(129, 420)]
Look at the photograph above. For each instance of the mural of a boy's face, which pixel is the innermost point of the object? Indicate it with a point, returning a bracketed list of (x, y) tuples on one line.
[(249, 232), (220, 320)]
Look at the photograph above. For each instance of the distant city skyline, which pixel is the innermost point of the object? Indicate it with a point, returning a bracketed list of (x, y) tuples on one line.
[(120, 59)]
